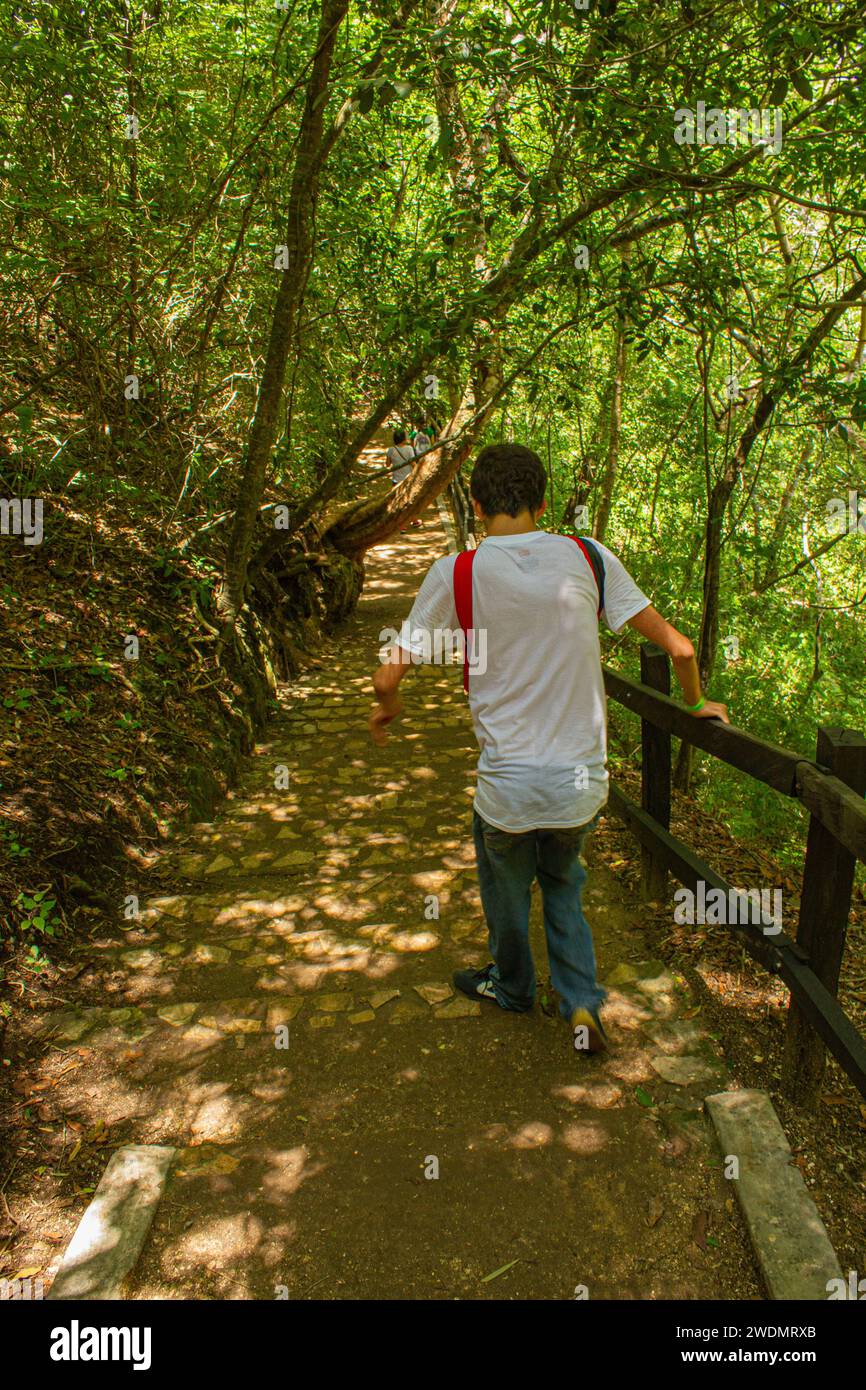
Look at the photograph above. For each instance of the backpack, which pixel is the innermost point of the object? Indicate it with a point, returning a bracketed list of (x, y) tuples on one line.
[(463, 589)]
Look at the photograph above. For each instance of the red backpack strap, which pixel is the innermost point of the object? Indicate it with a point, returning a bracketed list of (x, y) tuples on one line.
[(463, 603), (595, 563)]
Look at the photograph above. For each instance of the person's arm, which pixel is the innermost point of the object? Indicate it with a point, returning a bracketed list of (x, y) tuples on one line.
[(651, 625), (385, 683), (432, 611)]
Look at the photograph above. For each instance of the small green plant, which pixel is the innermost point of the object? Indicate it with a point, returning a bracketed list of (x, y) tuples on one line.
[(20, 701), (61, 701), (100, 666), (35, 959), (38, 913), (14, 848)]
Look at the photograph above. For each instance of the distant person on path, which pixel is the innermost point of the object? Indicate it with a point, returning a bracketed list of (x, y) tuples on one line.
[(423, 439), (537, 699), (400, 456)]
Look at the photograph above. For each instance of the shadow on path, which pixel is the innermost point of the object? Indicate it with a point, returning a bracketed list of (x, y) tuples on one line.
[(288, 1023)]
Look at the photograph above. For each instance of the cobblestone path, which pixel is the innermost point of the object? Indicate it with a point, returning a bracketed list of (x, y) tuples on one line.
[(347, 1126)]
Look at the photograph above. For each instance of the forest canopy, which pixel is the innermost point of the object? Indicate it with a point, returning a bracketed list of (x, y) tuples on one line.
[(241, 239)]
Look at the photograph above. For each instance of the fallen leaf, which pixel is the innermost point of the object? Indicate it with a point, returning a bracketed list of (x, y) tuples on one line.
[(699, 1229), (496, 1273), (656, 1212)]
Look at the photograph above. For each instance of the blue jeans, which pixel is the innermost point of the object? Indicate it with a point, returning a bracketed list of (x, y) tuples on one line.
[(507, 865)]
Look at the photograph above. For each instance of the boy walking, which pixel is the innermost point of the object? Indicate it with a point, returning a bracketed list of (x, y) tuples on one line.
[(531, 602)]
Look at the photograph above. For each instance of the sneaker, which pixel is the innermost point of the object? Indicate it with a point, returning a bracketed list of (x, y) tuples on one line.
[(594, 1038), (476, 983)]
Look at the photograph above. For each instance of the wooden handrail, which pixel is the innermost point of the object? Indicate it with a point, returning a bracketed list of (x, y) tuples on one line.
[(777, 953), (836, 806), (831, 788), (766, 762)]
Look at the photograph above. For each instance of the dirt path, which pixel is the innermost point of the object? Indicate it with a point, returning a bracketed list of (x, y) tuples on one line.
[(308, 1170)]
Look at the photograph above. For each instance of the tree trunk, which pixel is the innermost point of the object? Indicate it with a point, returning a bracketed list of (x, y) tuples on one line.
[(608, 480), (362, 527), (799, 472), (299, 250)]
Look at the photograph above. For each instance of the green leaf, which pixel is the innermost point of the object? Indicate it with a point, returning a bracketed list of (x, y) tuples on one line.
[(778, 91), (445, 143), (496, 1272)]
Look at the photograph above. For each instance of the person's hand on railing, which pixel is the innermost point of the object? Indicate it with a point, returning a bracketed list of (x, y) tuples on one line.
[(711, 709)]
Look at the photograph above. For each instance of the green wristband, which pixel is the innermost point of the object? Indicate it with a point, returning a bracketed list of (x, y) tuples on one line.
[(693, 709)]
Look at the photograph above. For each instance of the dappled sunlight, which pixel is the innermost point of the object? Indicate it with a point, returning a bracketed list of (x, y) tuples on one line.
[(218, 1116), (532, 1135), (432, 881), (406, 942), (297, 1035), (271, 1091), (631, 1068), (286, 1172), (224, 1240), (601, 1096), (626, 1013), (586, 1138)]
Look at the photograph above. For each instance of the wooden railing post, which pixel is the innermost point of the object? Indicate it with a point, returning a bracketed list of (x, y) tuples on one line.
[(655, 796), (828, 877)]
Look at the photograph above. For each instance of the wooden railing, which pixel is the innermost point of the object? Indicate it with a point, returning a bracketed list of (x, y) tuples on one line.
[(831, 788)]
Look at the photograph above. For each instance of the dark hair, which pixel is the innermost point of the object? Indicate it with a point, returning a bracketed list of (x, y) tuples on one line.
[(507, 478), (399, 436)]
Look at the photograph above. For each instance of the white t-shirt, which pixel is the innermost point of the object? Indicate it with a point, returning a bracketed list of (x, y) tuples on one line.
[(421, 442), (537, 696), (401, 457)]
